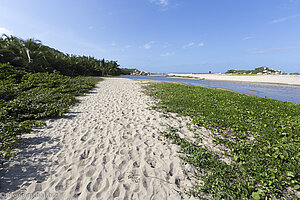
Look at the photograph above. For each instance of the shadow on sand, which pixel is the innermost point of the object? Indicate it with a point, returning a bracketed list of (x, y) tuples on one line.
[(24, 168), (31, 160)]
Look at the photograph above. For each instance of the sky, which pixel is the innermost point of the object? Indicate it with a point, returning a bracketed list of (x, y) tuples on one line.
[(165, 35)]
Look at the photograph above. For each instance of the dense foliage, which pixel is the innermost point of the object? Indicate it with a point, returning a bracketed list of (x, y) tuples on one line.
[(262, 136), (32, 56), (127, 71), (26, 98), (257, 70)]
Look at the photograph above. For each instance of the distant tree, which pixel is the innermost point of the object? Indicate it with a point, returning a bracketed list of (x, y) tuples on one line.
[(231, 71), (31, 55), (126, 71)]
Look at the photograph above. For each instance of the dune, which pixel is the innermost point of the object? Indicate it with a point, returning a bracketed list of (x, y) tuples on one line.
[(109, 146), (273, 79)]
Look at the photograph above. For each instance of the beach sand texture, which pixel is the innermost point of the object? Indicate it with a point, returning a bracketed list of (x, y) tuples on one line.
[(274, 79), (107, 147)]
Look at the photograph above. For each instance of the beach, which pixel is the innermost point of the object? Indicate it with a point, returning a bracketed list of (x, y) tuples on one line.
[(107, 146), (273, 79)]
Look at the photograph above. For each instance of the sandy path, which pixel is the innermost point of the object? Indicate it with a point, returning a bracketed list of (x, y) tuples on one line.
[(108, 146)]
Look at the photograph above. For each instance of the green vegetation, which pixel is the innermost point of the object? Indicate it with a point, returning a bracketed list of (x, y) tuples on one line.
[(258, 70), (262, 136), (37, 82), (26, 98), (32, 56), (127, 71)]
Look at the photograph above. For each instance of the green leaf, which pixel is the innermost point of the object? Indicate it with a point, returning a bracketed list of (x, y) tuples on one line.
[(291, 174), (297, 187), (255, 195)]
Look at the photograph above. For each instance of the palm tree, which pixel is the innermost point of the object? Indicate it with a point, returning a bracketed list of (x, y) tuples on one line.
[(103, 67), (31, 55), (10, 50), (113, 68), (34, 55)]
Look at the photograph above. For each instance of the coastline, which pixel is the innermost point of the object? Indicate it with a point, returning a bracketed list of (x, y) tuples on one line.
[(292, 80), (108, 146), (217, 88)]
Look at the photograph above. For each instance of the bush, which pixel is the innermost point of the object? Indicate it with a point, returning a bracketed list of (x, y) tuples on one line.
[(26, 98)]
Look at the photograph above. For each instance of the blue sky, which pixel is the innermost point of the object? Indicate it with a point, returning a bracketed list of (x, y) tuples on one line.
[(165, 35)]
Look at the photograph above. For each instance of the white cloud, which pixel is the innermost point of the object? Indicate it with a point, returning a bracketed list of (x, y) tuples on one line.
[(284, 19), (265, 50), (128, 46), (167, 54), (189, 45), (166, 45), (248, 37), (160, 2), (148, 45), (5, 31)]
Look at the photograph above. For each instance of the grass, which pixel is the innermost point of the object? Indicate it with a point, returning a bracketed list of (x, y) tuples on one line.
[(26, 98), (110, 76), (262, 134)]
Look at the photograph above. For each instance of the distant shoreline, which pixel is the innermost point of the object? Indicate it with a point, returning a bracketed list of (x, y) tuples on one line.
[(292, 80)]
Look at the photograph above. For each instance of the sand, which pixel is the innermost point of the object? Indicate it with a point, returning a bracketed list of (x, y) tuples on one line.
[(109, 146), (274, 79)]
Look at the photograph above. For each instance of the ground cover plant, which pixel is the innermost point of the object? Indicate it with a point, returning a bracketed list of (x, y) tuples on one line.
[(262, 136), (26, 98)]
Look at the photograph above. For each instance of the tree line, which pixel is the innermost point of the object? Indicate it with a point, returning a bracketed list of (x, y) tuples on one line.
[(32, 56)]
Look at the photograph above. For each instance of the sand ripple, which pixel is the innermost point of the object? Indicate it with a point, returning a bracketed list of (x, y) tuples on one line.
[(108, 146)]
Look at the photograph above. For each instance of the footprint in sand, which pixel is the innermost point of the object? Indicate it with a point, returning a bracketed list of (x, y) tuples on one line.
[(151, 162)]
